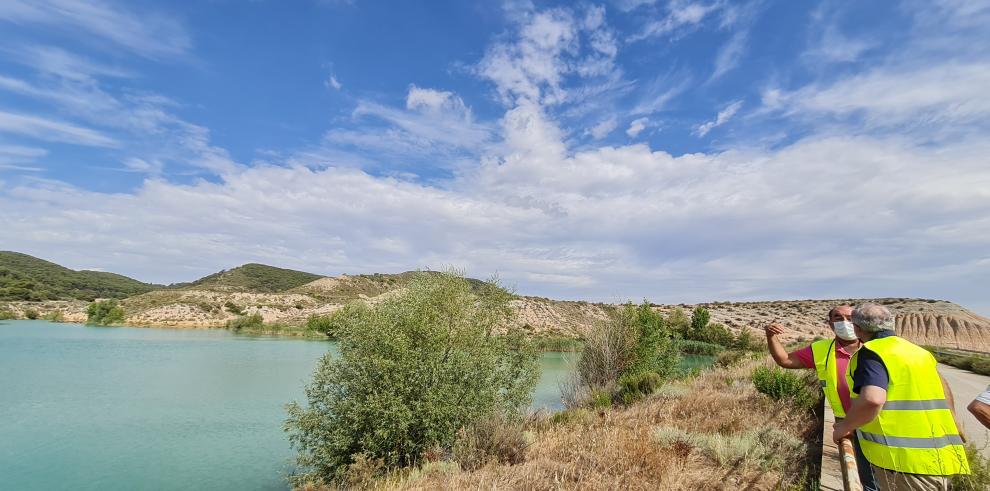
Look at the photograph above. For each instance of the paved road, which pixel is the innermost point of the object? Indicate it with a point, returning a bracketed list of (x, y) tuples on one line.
[(965, 387)]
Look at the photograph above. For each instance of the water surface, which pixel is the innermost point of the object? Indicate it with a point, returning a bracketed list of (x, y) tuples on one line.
[(98, 408)]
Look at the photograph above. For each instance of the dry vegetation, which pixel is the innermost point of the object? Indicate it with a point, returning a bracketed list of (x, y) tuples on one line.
[(714, 431)]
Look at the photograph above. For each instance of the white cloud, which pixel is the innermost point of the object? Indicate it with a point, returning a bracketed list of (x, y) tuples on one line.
[(637, 126), (603, 128), (20, 158), (721, 118), (149, 33), (435, 101), (730, 54), (948, 94), (333, 83), (53, 130), (714, 226), (681, 15), (563, 218)]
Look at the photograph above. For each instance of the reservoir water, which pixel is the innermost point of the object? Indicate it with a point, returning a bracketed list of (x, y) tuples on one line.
[(100, 408)]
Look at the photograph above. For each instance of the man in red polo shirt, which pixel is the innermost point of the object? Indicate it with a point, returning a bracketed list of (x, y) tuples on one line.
[(829, 357)]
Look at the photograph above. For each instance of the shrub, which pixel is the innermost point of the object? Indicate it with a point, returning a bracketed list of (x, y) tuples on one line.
[(601, 399), (246, 321), (233, 308), (982, 366), (979, 477), (411, 372), (321, 323), (104, 313), (634, 387), (715, 334), (55, 316), (745, 341), (499, 439), (763, 447), (679, 322), (783, 385), (31, 314), (699, 319), (730, 358), (655, 350), (6, 314), (692, 347)]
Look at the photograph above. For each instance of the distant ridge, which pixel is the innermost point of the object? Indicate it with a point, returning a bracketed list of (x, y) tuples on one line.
[(289, 298), (255, 278), (25, 277)]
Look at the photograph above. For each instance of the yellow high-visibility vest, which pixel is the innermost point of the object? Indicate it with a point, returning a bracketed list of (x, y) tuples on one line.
[(915, 431), (824, 353)]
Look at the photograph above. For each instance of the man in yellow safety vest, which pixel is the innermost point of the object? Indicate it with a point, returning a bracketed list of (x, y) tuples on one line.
[(829, 357), (902, 409)]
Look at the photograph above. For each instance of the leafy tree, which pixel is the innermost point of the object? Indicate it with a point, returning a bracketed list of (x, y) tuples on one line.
[(699, 319), (679, 322), (655, 349), (104, 313), (411, 372)]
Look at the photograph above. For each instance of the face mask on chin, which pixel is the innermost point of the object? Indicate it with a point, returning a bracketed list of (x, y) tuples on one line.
[(844, 330)]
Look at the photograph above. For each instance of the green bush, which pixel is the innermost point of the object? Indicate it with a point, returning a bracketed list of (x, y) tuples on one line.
[(104, 313), (679, 322), (979, 477), (784, 385), (233, 308), (633, 340), (692, 347), (55, 316), (601, 399), (747, 342), (411, 372), (246, 322), (321, 323), (634, 387), (982, 366), (730, 358), (6, 314), (699, 319), (31, 314)]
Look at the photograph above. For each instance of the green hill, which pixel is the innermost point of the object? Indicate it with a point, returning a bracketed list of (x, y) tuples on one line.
[(24, 277), (257, 278)]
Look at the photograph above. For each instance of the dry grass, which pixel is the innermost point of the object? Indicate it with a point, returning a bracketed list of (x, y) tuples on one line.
[(620, 449)]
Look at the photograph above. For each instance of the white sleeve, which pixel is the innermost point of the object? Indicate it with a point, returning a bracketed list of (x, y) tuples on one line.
[(984, 397)]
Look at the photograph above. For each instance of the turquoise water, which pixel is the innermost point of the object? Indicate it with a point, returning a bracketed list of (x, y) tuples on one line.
[(98, 408)]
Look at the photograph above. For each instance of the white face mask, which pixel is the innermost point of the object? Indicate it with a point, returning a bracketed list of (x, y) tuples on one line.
[(844, 330)]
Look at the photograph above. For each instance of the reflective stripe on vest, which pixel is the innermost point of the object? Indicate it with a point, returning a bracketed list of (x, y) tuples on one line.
[(824, 353), (900, 441), (914, 431)]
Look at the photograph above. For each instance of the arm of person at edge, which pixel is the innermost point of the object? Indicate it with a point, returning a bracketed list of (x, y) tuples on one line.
[(864, 408), (981, 411), (777, 351)]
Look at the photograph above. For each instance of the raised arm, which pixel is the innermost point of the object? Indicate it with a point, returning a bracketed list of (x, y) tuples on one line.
[(777, 351)]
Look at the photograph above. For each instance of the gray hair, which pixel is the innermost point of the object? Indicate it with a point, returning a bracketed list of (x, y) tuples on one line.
[(871, 317)]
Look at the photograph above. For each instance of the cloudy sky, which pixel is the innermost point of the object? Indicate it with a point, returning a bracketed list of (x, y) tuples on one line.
[(676, 150)]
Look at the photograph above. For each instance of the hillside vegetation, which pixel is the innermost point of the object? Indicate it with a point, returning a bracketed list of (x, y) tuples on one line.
[(253, 277), (288, 298), (27, 278)]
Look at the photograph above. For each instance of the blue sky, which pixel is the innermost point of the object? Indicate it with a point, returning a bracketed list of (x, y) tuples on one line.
[(681, 150)]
